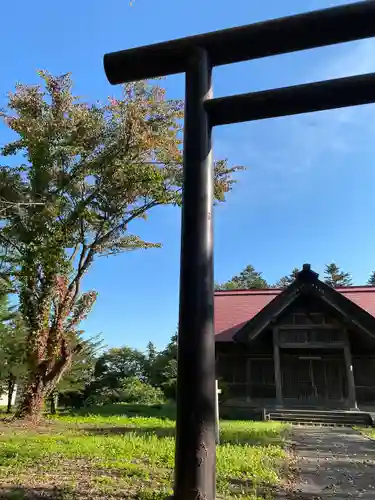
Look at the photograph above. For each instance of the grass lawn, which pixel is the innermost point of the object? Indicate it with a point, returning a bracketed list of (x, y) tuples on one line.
[(120, 456), (367, 431)]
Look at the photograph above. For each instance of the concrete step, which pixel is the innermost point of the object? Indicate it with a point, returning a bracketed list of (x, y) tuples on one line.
[(316, 411), (342, 418)]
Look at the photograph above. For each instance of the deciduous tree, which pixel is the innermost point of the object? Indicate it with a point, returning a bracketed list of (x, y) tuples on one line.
[(119, 363), (89, 171)]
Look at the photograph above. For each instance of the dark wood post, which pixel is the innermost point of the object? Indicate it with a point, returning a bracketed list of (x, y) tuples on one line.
[(195, 440), (11, 387), (195, 426), (352, 399), (276, 360)]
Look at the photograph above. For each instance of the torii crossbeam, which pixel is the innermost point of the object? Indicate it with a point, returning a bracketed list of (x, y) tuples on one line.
[(196, 56)]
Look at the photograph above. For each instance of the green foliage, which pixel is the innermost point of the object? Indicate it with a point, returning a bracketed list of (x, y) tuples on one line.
[(90, 170), (111, 369), (154, 372), (13, 349), (149, 361), (130, 390), (82, 370), (102, 396), (110, 412), (228, 285), (285, 281), (12, 341), (117, 364), (335, 277), (371, 280), (134, 390), (248, 279), (164, 370), (70, 390)]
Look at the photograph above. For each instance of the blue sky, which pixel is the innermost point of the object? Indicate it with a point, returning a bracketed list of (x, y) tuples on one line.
[(308, 192)]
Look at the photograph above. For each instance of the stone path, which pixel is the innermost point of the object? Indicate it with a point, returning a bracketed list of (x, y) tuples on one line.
[(332, 463)]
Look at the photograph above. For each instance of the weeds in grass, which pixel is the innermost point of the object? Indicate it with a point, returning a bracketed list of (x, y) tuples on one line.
[(367, 431), (132, 457), (161, 411)]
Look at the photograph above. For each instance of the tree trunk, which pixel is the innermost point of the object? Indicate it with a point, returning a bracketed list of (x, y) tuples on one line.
[(11, 384), (31, 404), (53, 400), (40, 384)]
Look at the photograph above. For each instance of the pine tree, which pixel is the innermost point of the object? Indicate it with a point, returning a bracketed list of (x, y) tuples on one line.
[(248, 279), (151, 356), (285, 281), (81, 374), (335, 277), (12, 346), (165, 369), (371, 280)]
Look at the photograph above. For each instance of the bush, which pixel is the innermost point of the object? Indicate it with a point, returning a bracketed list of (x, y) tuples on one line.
[(130, 390), (162, 411), (134, 390), (103, 396), (170, 389)]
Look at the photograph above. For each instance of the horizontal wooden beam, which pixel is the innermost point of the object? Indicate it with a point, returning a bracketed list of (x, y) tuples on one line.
[(309, 327), (278, 36), (311, 345), (319, 96)]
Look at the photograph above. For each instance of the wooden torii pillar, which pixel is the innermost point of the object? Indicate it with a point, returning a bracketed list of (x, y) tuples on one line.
[(196, 56)]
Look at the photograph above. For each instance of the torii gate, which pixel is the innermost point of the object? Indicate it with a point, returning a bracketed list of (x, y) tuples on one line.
[(196, 56)]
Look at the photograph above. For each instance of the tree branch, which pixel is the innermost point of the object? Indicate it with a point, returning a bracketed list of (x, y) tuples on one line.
[(63, 363), (9, 242), (74, 253), (136, 213)]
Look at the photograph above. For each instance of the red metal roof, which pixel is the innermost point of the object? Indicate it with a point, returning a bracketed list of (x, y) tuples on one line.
[(234, 308)]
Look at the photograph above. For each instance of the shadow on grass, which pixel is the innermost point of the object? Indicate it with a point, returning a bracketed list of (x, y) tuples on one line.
[(56, 493), (161, 432), (227, 436), (22, 493), (162, 411)]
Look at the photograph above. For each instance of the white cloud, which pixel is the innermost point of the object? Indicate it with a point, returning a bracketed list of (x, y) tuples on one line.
[(291, 151), (309, 137), (357, 59)]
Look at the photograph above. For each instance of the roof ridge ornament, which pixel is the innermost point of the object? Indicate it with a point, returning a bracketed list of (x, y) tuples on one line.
[(307, 274)]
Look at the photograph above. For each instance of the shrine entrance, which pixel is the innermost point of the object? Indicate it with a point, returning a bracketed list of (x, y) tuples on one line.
[(196, 56), (314, 381)]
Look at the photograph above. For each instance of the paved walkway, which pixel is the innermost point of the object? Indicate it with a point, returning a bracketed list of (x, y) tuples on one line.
[(332, 463)]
